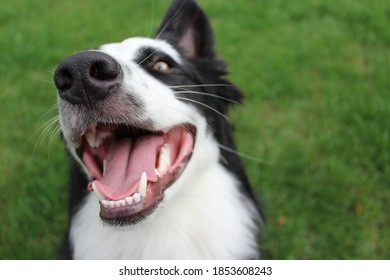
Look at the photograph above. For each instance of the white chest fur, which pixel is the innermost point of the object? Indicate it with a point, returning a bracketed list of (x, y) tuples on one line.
[(210, 219)]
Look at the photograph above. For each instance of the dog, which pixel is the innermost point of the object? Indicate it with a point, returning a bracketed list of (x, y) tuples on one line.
[(154, 172)]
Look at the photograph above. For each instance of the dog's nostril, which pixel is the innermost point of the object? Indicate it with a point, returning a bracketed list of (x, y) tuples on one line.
[(64, 80), (103, 71), (86, 77)]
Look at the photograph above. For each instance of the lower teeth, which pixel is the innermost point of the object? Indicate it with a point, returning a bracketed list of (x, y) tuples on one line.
[(135, 198)]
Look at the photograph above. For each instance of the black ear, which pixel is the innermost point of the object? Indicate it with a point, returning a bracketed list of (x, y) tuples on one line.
[(186, 25)]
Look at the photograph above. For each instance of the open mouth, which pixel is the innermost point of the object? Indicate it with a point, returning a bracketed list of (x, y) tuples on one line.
[(132, 167)]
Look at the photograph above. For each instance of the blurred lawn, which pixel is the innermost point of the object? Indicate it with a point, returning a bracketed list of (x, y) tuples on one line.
[(316, 77)]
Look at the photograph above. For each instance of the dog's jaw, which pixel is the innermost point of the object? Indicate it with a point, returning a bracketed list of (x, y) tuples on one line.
[(132, 169), (200, 219)]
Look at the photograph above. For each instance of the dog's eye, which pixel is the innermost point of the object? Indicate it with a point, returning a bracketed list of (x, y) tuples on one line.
[(161, 66)]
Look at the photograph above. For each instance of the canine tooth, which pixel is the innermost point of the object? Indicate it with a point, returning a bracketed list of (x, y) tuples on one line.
[(122, 202), (105, 135), (164, 160), (105, 203), (136, 197), (98, 142), (143, 183), (129, 200), (104, 167), (97, 192), (90, 136), (101, 138), (111, 204)]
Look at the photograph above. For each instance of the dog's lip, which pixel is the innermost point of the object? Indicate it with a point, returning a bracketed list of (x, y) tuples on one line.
[(118, 211), (132, 214)]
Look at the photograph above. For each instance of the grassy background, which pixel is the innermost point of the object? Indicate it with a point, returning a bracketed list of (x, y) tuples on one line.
[(316, 77)]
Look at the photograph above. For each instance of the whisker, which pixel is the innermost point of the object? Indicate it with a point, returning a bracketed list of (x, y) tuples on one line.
[(242, 155), (203, 85), (170, 20), (53, 135), (47, 71), (42, 72), (52, 138), (209, 94), (204, 105), (151, 21), (223, 159), (146, 58), (45, 128), (49, 109), (44, 81)]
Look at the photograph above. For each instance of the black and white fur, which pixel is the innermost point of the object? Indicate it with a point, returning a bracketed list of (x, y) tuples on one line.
[(210, 211)]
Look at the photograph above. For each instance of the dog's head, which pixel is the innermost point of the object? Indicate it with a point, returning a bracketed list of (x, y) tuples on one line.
[(145, 116)]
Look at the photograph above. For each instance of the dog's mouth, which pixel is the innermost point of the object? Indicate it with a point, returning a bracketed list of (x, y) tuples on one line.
[(132, 167)]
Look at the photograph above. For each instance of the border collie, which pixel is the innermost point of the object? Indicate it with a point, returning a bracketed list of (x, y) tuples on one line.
[(154, 172)]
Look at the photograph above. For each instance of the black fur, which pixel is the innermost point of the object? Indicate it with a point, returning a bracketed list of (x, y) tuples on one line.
[(187, 27)]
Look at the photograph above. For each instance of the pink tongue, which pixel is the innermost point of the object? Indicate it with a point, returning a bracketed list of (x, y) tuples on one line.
[(125, 162)]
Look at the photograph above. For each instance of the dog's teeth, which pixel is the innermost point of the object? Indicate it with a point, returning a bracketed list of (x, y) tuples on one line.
[(90, 136), (129, 200), (105, 203), (98, 142), (102, 136), (94, 140), (136, 197), (143, 183), (104, 167), (111, 204), (164, 160), (97, 192)]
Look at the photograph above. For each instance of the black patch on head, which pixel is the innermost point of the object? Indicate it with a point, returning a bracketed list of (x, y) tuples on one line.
[(186, 25), (201, 76), (148, 56)]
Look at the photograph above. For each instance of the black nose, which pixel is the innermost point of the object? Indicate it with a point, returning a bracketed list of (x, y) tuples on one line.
[(87, 77)]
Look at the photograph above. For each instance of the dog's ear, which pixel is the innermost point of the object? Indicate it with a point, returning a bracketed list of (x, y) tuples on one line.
[(186, 25)]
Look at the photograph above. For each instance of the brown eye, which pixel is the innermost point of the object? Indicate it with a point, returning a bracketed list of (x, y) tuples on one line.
[(161, 66)]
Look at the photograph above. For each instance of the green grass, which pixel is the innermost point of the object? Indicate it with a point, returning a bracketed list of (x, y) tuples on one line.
[(316, 114)]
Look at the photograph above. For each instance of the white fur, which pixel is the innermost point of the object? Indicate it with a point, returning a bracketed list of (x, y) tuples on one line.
[(203, 214), (129, 47)]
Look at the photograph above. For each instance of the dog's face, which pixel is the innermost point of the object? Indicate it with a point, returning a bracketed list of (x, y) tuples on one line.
[(136, 115)]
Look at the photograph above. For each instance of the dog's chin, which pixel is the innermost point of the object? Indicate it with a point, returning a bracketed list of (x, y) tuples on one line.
[(130, 168)]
